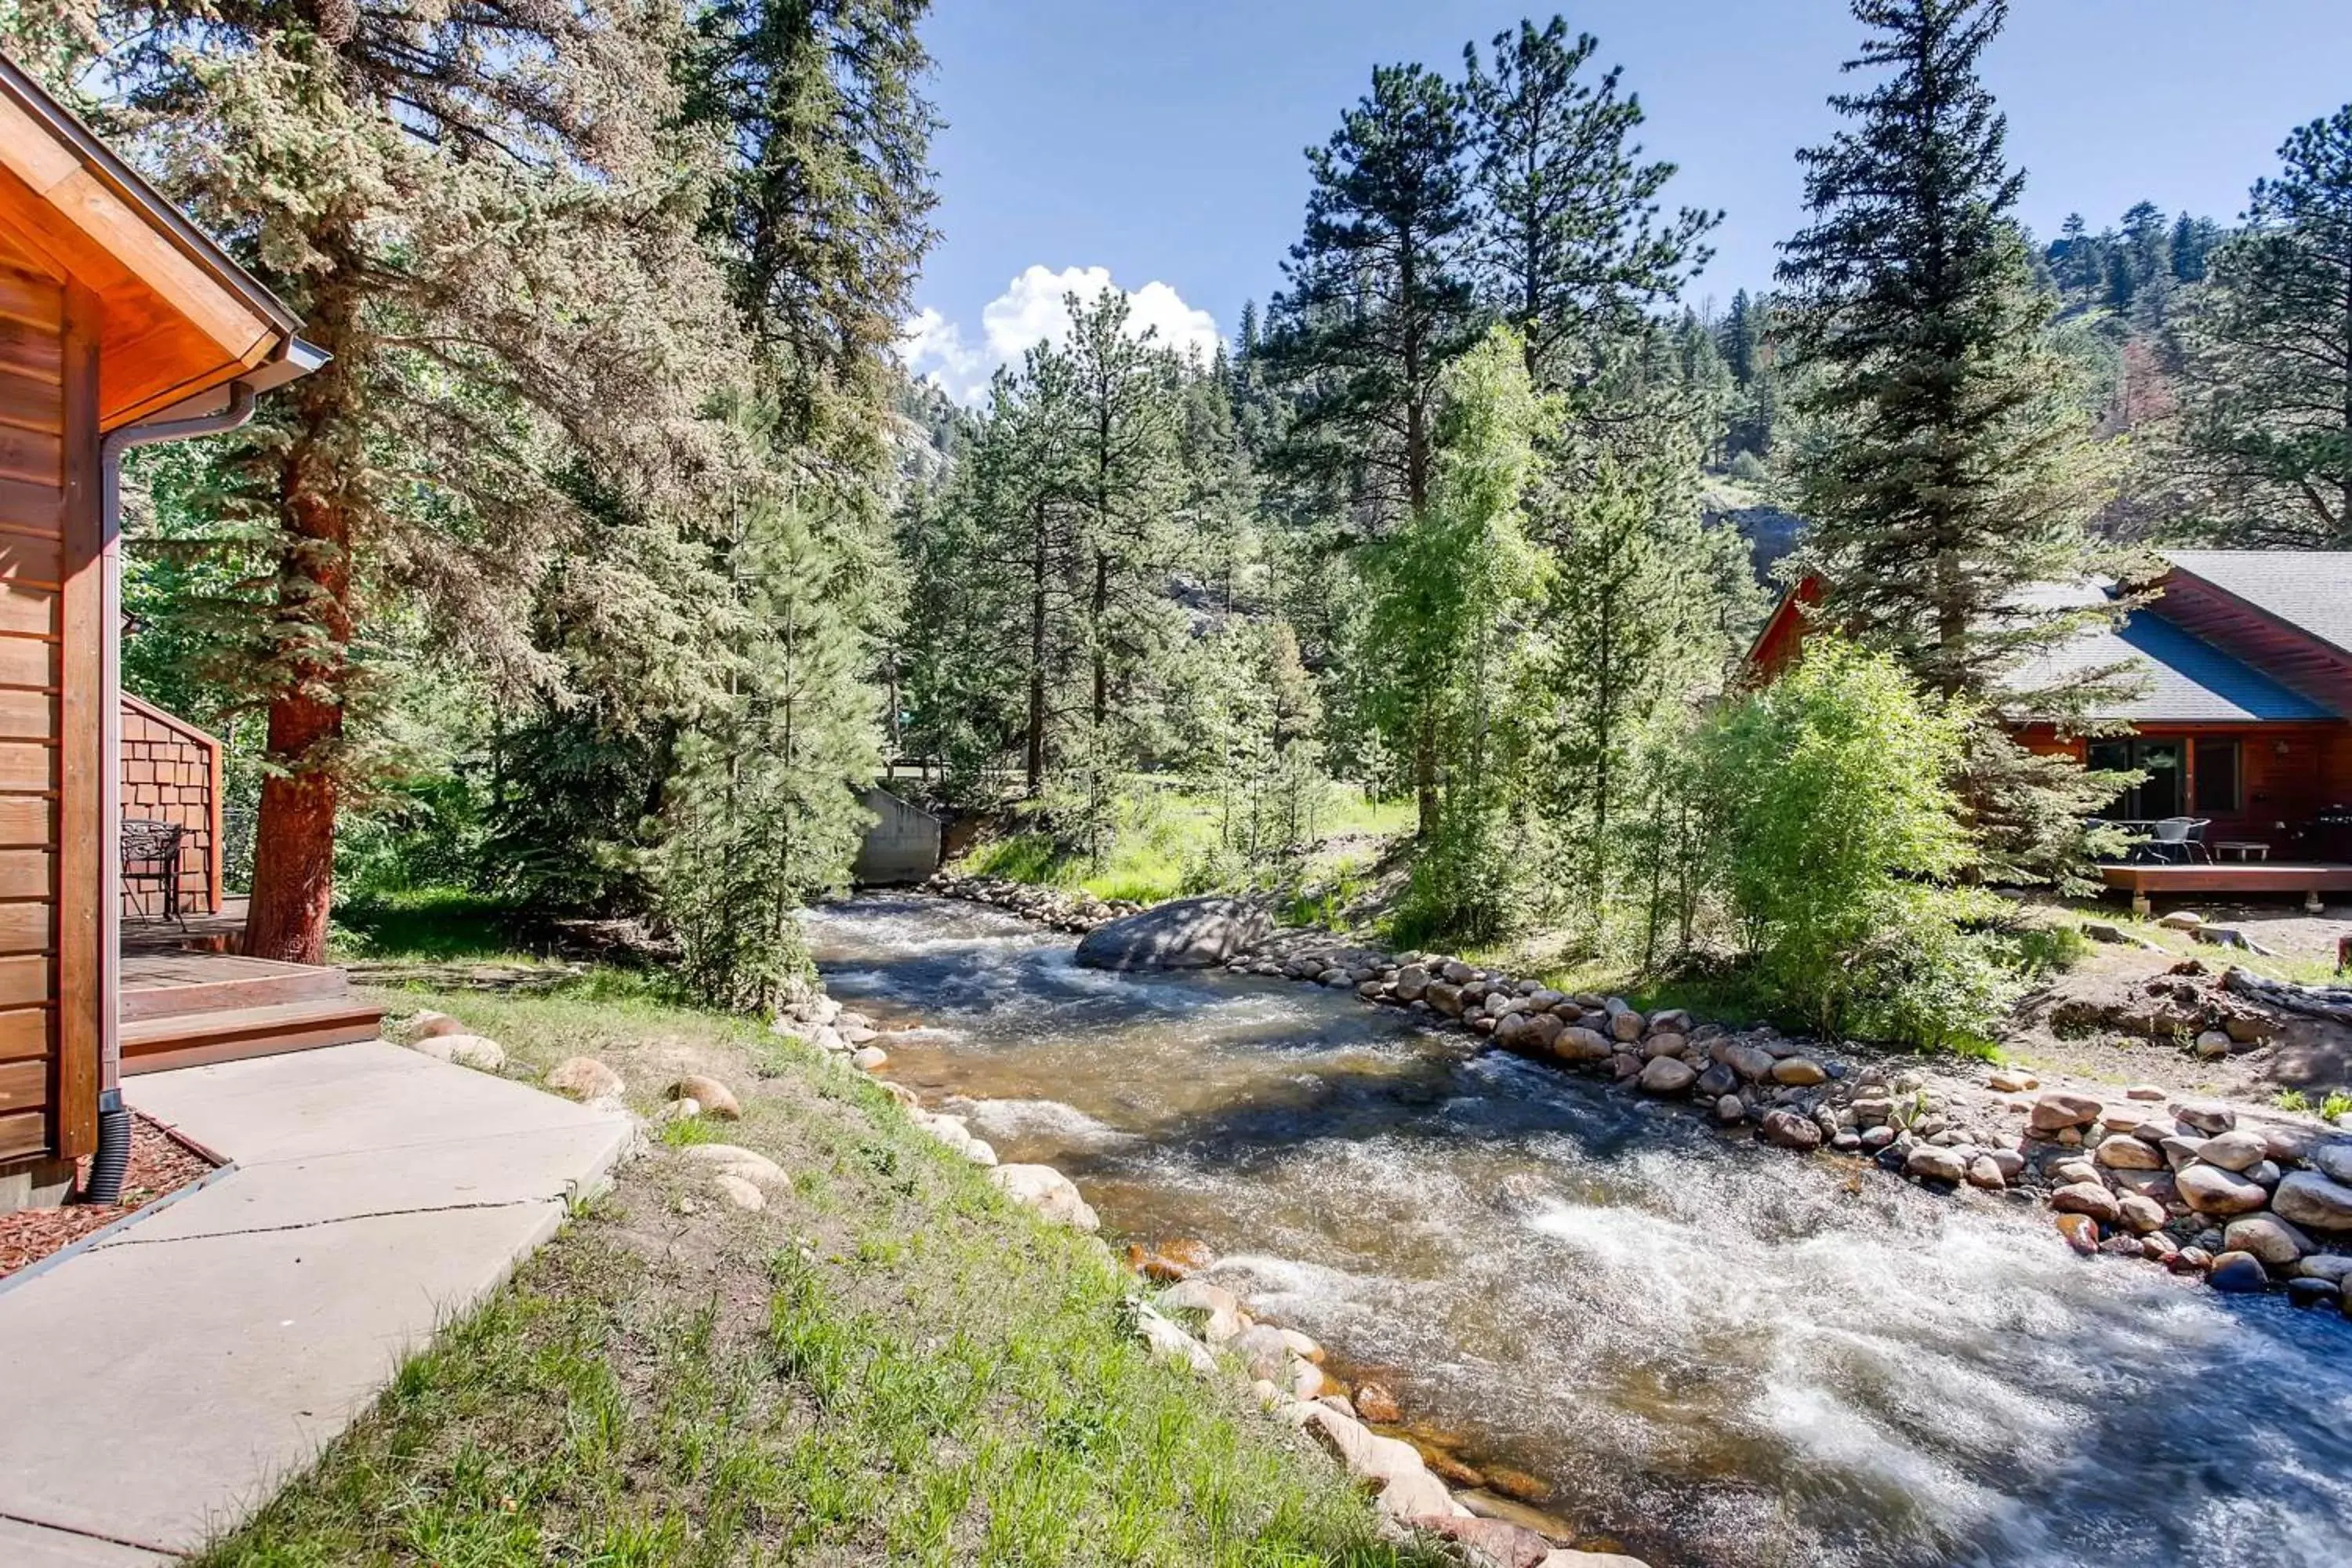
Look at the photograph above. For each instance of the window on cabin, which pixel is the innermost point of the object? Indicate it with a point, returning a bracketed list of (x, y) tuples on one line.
[(2157, 795), (2217, 777)]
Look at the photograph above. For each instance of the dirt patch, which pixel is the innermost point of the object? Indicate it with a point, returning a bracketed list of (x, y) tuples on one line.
[(160, 1165)]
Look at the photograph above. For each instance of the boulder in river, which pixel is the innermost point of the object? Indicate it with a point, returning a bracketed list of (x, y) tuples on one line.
[(2308, 1198), (1184, 933)]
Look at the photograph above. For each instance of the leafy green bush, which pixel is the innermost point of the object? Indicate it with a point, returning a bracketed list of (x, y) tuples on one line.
[(1836, 841)]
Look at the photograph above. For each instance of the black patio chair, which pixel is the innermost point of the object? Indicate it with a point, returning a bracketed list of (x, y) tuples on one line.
[(151, 857)]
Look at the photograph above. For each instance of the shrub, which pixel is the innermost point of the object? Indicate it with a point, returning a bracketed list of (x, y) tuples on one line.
[(1836, 840)]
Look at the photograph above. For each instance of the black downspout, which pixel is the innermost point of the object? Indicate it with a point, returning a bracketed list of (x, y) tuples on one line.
[(111, 1160)]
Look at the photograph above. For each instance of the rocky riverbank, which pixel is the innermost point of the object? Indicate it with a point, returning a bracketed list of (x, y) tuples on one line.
[(2239, 1197)]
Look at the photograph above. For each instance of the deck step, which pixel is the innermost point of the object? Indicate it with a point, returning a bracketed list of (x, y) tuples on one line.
[(186, 1039), (252, 984)]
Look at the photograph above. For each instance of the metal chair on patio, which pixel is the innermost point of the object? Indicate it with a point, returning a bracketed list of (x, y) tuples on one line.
[(2180, 840), (151, 857)]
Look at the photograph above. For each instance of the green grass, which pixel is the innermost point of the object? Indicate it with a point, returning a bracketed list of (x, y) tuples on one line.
[(888, 1363), (1163, 838), (429, 925)]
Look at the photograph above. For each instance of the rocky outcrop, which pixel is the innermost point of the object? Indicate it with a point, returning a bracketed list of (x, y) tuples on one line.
[(1184, 933)]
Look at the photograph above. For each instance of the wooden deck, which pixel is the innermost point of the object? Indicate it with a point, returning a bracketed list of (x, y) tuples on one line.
[(2309, 878), (187, 999)]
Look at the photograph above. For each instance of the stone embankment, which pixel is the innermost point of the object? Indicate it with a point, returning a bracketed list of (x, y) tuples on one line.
[(2174, 1181)]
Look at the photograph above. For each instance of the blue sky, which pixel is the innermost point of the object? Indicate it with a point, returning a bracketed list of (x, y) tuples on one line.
[(1159, 145)]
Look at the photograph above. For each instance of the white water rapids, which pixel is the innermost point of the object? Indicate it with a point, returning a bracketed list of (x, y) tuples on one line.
[(1714, 1352)]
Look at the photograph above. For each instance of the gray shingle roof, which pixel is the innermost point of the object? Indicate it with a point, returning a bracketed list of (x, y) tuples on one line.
[(2179, 678), (2311, 589)]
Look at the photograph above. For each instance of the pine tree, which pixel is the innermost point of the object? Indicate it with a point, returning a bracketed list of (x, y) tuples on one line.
[(1571, 247), (1379, 303), (2264, 448), (1956, 468), (823, 211), (1738, 340), (498, 249)]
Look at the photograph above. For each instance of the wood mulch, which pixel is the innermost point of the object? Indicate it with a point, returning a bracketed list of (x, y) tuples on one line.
[(160, 1165)]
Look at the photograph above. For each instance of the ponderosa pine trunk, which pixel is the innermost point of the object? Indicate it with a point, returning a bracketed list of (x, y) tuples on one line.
[(294, 854)]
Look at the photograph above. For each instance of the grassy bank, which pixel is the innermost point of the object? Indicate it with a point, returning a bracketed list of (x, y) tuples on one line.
[(1163, 836), (889, 1362)]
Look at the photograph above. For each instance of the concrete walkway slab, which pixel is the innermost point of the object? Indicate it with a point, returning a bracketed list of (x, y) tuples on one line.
[(164, 1384)]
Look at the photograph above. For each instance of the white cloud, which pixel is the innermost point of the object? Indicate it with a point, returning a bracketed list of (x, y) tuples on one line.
[(1032, 310)]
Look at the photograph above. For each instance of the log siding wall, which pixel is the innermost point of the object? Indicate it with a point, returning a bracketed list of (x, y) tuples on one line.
[(35, 355)]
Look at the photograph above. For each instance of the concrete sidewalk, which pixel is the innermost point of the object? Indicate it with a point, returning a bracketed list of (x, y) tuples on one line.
[(164, 1384)]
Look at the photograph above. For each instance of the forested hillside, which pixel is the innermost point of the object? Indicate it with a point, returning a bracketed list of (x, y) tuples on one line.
[(615, 551)]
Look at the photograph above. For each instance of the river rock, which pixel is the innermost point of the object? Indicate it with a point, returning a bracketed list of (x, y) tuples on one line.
[(869, 1059), (1411, 982), (2139, 1213), (1798, 1072), (584, 1078), (1717, 1080), (1048, 1192), (2179, 1152), (2124, 1152), (1496, 1541), (1443, 996), (2308, 1198), (2058, 1110), (1182, 933), (1790, 1130), (1668, 1075), (2207, 1116), (748, 1163), (2334, 1159), (1659, 1045), (2087, 1198), (1625, 1026), (1375, 1404), (738, 1192), (428, 1024), (1753, 1063), (2333, 1265), (1578, 1044), (1365, 1454), (1729, 1109), (1263, 1351), (1935, 1163), (2238, 1271), (2074, 1168), (2012, 1080), (477, 1051), (1168, 1341), (2237, 1150), (2211, 1190), (1222, 1309), (715, 1097), (2268, 1237), (2081, 1231), (1985, 1172)]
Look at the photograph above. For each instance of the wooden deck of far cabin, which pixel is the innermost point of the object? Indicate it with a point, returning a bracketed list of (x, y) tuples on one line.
[(2309, 878)]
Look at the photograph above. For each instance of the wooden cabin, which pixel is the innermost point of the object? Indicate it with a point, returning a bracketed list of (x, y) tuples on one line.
[(2240, 716), (120, 324)]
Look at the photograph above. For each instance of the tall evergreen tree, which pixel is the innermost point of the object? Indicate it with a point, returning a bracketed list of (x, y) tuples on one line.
[(488, 217), (1955, 469), (1379, 303), (2265, 454), (1571, 245), (824, 210)]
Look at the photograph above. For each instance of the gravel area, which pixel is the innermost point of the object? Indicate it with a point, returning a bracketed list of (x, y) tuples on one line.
[(160, 1165)]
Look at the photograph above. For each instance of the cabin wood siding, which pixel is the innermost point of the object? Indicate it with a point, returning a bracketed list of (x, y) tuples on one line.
[(48, 608), (2287, 774)]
